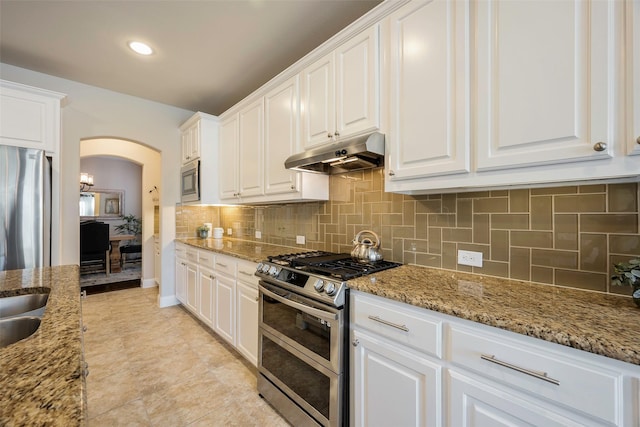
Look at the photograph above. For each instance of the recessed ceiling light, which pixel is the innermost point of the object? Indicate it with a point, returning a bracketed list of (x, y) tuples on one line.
[(141, 48)]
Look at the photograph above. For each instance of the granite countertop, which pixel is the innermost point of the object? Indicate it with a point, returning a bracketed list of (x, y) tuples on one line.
[(607, 325), (41, 377), (243, 249), (602, 324)]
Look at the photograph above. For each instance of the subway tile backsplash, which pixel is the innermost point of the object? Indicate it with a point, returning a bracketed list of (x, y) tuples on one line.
[(566, 236)]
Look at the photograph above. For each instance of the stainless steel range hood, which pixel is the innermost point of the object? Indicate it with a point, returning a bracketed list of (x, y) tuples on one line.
[(362, 152)]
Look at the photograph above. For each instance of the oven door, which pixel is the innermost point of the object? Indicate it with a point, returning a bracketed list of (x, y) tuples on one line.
[(299, 349), (190, 182), (310, 327)]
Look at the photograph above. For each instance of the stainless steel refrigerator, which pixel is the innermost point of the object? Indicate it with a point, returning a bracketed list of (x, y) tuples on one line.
[(25, 208)]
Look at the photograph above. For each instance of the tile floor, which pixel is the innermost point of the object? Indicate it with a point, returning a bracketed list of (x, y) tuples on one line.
[(160, 367)]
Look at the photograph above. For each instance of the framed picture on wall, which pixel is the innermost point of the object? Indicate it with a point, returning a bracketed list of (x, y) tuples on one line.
[(112, 206)]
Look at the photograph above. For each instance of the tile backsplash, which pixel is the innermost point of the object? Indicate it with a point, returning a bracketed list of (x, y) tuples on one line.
[(567, 236)]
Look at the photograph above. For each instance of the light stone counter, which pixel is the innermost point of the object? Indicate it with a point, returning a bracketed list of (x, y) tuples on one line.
[(244, 249), (607, 325), (41, 377)]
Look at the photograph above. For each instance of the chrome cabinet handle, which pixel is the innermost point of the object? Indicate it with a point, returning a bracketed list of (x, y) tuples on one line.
[(600, 146), (222, 265), (84, 328), (355, 342), (536, 374), (212, 277), (245, 273), (391, 173), (302, 307), (329, 135), (336, 133), (386, 322), (638, 140)]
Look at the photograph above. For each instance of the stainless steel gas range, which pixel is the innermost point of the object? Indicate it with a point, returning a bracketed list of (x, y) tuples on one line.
[(303, 319)]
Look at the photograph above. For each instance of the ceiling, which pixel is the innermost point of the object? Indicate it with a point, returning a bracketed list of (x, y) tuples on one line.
[(209, 54)]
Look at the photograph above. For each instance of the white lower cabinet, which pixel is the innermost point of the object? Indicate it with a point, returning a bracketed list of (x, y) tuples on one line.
[(474, 403), (486, 376), (224, 323), (393, 386), (222, 292), (207, 292)]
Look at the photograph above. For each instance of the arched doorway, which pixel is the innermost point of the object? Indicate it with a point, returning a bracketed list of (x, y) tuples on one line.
[(149, 160)]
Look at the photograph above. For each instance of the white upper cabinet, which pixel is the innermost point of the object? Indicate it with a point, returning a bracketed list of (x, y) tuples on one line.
[(545, 82), (199, 141), (341, 91), (190, 140), (281, 136), (228, 158), (633, 74), (250, 149), (429, 89), (29, 117)]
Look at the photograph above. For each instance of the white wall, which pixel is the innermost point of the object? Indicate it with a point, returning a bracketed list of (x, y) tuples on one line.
[(116, 174), (92, 112)]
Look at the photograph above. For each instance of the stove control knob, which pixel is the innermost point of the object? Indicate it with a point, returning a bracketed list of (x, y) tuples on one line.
[(259, 268), (330, 289), (319, 286), (265, 268), (274, 271)]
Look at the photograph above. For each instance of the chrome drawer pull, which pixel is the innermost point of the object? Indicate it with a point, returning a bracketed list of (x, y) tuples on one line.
[(245, 273), (386, 322), (222, 265), (537, 374)]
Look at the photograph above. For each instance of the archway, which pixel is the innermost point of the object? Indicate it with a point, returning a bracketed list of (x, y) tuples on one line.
[(150, 161)]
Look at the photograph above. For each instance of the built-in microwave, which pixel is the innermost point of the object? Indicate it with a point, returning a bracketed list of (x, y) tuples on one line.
[(190, 182)]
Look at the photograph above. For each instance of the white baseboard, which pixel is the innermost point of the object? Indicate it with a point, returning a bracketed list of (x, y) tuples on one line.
[(148, 283), (167, 301)]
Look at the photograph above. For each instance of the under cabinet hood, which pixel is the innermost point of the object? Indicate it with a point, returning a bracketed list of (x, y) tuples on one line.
[(362, 152)]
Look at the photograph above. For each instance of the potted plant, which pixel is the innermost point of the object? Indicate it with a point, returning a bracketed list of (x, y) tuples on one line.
[(131, 225), (628, 274), (203, 231)]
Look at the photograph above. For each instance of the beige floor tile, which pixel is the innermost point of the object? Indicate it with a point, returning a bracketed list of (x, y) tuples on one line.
[(132, 414), (162, 367)]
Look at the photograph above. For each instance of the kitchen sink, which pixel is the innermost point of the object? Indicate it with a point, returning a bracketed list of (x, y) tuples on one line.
[(15, 329), (23, 305)]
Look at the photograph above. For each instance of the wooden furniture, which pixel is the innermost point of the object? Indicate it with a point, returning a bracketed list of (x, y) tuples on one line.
[(128, 250), (115, 250), (94, 245)]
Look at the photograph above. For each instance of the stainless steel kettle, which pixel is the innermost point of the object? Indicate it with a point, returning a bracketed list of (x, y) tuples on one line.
[(364, 248)]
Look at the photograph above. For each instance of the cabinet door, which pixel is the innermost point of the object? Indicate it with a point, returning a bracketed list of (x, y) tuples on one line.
[(228, 158), (545, 82), (429, 75), (281, 136), (207, 288), (318, 113), (251, 164), (247, 318), (476, 404), (225, 307), (357, 72), (393, 386), (633, 66), (192, 287), (181, 278), (194, 147)]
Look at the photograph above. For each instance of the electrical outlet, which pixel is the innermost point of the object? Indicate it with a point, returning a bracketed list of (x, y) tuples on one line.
[(300, 240), (471, 258), (258, 234), (229, 231)]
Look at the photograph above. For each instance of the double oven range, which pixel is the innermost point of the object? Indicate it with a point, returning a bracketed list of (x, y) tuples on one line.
[(303, 324)]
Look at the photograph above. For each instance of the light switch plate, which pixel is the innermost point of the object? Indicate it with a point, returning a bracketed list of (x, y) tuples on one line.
[(300, 240), (258, 234), (229, 231)]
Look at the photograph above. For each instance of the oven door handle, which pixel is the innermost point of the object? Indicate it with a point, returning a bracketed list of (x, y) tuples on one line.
[(301, 307)]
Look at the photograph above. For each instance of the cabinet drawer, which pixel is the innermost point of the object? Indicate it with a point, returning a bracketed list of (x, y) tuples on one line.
[(246, 270), (181, 251), (192, 255), (226, 265), (539, 371), (397, 321), (206, 259)]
